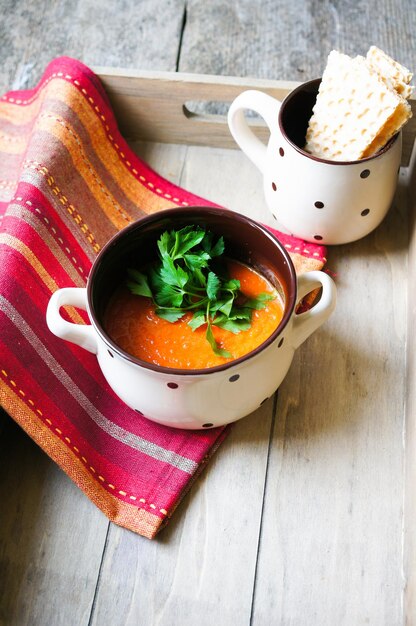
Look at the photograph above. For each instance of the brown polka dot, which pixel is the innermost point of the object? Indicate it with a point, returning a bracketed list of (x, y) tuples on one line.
[(365, 212), (318, 237), (365, 174), (280, 344), (274, 186), (111, 354), (281, 152), (208, 425), (172, 385), (319, 205), (233, 378)]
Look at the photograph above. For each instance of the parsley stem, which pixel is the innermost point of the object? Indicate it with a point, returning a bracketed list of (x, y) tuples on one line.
[(195, 305)]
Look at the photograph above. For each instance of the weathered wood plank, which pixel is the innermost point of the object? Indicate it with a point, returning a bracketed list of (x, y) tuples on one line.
[(190, 574), (127, 34), (51, 539), (291, 40), (331, 543), (227, 178)]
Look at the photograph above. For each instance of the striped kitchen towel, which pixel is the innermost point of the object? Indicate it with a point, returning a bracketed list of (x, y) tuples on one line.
[(68, 182)]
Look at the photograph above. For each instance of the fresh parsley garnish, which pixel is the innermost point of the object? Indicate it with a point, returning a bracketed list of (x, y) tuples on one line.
[(190, 275)]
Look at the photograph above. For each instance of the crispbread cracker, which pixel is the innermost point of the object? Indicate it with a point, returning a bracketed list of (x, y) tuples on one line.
[(390, 128), (397, 76), (355, 110)]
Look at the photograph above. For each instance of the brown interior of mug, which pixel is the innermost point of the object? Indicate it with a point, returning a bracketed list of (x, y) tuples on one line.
[(136, 246), (296, 112)]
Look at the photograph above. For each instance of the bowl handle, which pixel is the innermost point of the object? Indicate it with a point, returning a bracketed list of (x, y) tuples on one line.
[(304, 324), (82, 335), (264, 105)]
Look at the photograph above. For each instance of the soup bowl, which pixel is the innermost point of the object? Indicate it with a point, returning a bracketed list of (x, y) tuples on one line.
[(196, 398)]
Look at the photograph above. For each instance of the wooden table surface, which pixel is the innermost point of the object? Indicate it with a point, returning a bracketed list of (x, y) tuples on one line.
[(305, 516)]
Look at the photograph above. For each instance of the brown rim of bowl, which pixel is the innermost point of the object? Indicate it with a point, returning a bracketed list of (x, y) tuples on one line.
[(319, 159), (184, 212)]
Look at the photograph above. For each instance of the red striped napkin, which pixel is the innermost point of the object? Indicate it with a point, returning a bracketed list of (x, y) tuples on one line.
[(68, 182)]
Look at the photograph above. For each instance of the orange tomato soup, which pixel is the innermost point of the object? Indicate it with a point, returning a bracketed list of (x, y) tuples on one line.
[(132, 324)]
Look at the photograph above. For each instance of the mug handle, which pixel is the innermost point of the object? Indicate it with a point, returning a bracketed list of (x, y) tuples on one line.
[(304, 324), (264, 105), (82, 335)]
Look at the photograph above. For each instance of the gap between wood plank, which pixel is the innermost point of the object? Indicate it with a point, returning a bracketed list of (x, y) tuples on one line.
[(181, 174), (183, 25), (94, 599), (266, 474)]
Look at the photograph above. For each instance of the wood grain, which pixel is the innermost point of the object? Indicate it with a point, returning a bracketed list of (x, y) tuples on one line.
[(201, 568), (51, 539), (152, 105), (121, 33), (331, 544), (291, 40)]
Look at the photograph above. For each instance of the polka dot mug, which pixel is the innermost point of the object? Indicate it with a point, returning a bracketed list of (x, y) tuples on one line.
[(197, 398), (330, 202)]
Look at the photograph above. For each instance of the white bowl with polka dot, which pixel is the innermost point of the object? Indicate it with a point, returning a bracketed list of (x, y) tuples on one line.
[(318, 200), (203, 398)]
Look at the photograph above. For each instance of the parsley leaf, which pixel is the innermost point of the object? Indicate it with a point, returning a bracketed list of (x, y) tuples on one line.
[(171, 315), (169, 296), (260, 301), (213, 285), (138, 285), (186, 239), (211, 340), (196, 261), (219, 248), (233, 325), (165, 244), (198, 319), (173, 274)]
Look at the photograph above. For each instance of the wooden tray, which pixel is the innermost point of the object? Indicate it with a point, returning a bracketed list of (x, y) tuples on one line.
[(349, 403), (306, 515), (342, 457), (157, 106)]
